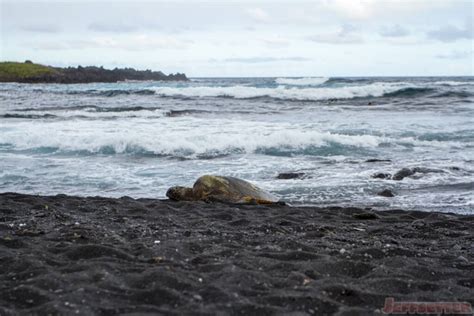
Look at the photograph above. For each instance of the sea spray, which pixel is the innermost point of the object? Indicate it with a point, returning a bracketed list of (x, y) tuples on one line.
[(138, 138)]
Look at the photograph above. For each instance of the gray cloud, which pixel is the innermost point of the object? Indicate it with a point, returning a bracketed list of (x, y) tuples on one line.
[(346, 35), (59, 45), (98, 30), (44, 28), (275, 42), (449, 33), (112, 28), (456, 55), (394, 31), (141, 42), (258, 15), (255, 60)]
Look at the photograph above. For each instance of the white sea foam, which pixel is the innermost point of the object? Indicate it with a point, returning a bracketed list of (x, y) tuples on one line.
[(454, 83), (191, 137), (308, 81), (285, 93), (330, 144), (184, 136), (93, 113)]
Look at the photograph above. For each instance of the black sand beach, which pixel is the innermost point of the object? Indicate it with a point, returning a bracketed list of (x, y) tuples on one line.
[(103, 256)]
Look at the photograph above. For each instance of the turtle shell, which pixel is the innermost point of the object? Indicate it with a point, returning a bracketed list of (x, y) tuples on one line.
[(231, 190)]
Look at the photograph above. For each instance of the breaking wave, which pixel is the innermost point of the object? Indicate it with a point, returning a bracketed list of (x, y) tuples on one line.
[(284, 93), (279, 143), (408, 92), (27, 116), (85, 112), (111, 93), (96, 112), (309, 81), (95, 138), (454, 83)]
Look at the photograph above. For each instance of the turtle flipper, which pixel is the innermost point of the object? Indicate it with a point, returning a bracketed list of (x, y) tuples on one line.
[(252, 200), (223, 198), (248, 200), (217, 198)]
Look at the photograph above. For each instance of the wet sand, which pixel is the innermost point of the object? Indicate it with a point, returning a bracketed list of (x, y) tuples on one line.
[(104, 256)]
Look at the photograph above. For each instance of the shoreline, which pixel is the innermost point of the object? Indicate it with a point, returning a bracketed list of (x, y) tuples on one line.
[(95, 255)]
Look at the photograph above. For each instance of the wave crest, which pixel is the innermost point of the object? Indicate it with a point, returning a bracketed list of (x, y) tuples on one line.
[(284, 93), (454, 83), (111, 93), (408, 92), (85, 112), (308, 81), (191, 145)]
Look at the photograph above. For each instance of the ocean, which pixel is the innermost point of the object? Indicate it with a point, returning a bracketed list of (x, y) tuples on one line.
[(140, 138)]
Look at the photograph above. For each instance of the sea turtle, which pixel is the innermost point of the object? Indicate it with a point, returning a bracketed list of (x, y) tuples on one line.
[(222, 189)]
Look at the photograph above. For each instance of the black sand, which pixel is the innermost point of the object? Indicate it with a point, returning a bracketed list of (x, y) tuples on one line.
[(71, 255)]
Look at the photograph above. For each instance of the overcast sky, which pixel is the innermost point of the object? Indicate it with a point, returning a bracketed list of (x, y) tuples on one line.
[(245, 38)]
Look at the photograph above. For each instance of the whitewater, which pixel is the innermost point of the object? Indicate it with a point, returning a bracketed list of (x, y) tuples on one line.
[(139, 138)]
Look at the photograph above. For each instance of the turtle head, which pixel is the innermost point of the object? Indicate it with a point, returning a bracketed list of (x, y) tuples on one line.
[(180, 194)]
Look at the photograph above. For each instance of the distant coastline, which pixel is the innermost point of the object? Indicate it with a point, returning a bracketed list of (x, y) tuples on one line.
[(29, 72)]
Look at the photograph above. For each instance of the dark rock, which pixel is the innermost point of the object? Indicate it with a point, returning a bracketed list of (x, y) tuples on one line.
[(382, 175), (386, 193), (426, 170), (367, 215), (419, 223), (290, 175), (378, 160), (405, 172)]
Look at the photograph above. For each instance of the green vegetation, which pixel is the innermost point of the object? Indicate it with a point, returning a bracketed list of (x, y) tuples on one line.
[(28, 72), (24, 70)]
